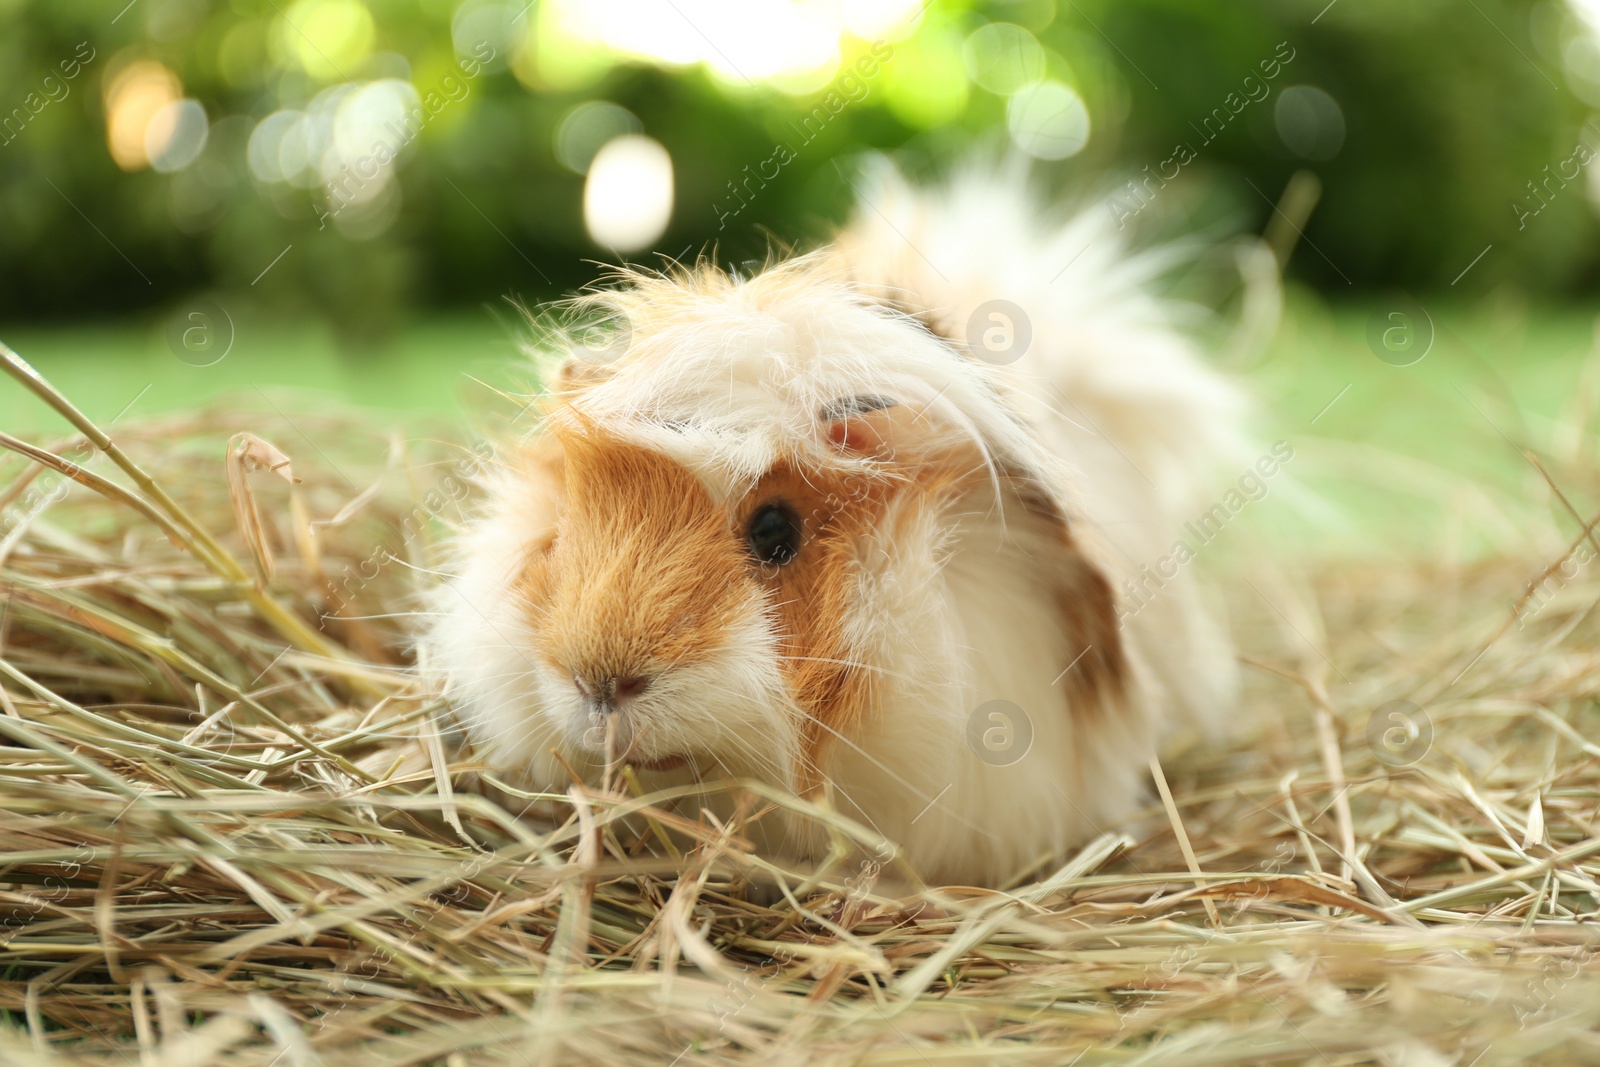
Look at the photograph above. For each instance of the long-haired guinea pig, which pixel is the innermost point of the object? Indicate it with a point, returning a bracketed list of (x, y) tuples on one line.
[(865, 525)]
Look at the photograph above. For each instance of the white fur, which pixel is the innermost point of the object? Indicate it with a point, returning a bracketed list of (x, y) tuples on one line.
[(1110, 412)]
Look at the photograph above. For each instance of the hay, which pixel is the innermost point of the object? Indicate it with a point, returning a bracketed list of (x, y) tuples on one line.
[(230, 835)]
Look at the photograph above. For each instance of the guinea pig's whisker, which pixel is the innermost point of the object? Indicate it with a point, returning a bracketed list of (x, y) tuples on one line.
[(916, 792), (757, 759), (633, 740), (766, 763), (509, 676), (761, 762), (420, 569), (856, 664)]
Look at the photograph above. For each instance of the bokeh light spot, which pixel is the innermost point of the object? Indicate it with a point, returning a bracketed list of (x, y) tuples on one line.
[(881, 20), (556, 51), (327, 37), (370, 127), (488, 27), (266, 145), (587, 127), (1003, 57), (1310, 122), (926, 83), (627, 200), (1048, 120), (134, 96), (241, 57), (793, 47), (176, 135)]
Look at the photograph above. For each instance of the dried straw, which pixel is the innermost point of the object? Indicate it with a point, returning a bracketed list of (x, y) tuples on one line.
[(230, 834)]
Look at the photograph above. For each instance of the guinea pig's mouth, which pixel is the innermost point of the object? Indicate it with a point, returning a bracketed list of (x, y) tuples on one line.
[(616, 739), (659, 763), (598, 745)]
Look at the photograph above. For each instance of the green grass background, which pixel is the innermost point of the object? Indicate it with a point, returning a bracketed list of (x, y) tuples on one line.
[(1385, 466)]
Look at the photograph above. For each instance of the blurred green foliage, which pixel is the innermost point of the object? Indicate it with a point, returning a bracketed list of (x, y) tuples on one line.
[(1443, 121)]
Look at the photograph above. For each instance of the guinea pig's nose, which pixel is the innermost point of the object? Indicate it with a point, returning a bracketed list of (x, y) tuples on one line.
[(610, 693), (625, 689)]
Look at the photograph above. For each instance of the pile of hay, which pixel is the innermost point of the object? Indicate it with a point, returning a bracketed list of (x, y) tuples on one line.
[(228, 833)]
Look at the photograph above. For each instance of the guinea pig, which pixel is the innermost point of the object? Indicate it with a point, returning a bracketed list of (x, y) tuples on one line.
[(872, 524)]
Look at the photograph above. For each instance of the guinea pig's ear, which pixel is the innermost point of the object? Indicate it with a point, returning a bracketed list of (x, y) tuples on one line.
[(575, 375), (594, 348), (897, 303), (865, 425)]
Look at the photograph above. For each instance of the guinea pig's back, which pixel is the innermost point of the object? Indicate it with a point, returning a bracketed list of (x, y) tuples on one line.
[(1099, 366)]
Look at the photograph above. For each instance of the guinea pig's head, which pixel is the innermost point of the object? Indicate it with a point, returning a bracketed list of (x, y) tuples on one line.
[(649, 611), (682, 569), (679, 621)]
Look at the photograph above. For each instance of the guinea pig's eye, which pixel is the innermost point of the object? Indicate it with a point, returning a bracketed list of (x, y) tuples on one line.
[(774, 533)]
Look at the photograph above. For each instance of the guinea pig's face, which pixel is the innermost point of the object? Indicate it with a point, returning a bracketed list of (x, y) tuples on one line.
[(674, 630)]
